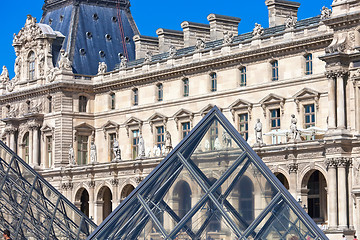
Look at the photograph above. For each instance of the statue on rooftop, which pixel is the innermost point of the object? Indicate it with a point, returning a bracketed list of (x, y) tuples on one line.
[(64, 62), (172, 51), (325, 12), (258, 30), (290, 22), (148, 57), (71, 156), (168, 144), (200, 44), (4, 77), (93, 154), (123, 62), (228, 37), (102, 68)]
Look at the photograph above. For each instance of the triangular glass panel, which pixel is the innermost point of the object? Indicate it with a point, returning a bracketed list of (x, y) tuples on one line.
[(31, 208), (211, 186)]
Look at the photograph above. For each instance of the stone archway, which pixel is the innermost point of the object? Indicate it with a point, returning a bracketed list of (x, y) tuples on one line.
[(103, 203), (283, 180), (82, 200), (127, 189)]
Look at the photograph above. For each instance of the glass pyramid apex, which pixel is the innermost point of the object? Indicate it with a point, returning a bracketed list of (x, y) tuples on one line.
[(211, 186), (30, 208)]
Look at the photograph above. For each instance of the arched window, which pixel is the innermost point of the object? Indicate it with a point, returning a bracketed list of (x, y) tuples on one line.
[(182, 196), (160, 92), (186, 87), (317, 202), (213, 79), (84, 202), (112, 101), (308, 64), (274, 70), (135, 97), (242, 76), (31, 66), (82, 103)]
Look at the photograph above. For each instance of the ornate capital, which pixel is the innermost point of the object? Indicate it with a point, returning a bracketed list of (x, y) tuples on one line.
[(114, 182), (344, 161), (293, 167), (67, 186), (331, 163), (91, 183), (341, 73), (330, 74)]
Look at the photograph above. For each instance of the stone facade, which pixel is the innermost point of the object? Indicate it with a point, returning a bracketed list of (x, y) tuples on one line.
[(309, 68)]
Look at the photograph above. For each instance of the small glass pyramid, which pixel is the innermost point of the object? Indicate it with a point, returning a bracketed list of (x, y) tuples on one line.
[(30, 208), (211, 186)]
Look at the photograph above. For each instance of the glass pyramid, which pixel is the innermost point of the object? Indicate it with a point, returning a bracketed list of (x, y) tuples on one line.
[(211, 186), (30, 208)]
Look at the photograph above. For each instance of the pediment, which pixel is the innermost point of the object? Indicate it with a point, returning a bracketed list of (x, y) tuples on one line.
[(306, 93), (110, 124), (240, 104), (157, 117), (182, 113), (84, 127), (207, 109), (46, 128), (272, 98), (133, 121)]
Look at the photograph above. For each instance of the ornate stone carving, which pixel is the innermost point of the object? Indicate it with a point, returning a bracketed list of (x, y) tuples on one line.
[(51, 74), (13, 111), (290, 22), (200, 44), (294, 129), (293, 167), (91, 183), (344, 161), (114, 182), (258, 133), (116, 150), (148, 57), (64, 62), (123, 62), (102, 68), (228, 38), (17, 66), (168, 143), (331, 163), (141, 148), (325, 13), (41, 60), (258, 30), (172, 51), (93, 153), (4, 77), (71, 156), (138, 179)]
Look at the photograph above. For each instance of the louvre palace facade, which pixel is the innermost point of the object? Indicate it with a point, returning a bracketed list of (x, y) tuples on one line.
[(94, 106)]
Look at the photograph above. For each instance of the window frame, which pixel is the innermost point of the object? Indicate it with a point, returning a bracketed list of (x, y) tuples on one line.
[(161, 143), (242, 76), (277, 119), (83, 102), (185, 131), (160, 92), (49, 151), (111, 137), (135, 96), (82, 150), (274, 70), (112, 101), (186, 87), (31, 65), (213, 82), (308, 64), (310, 114), (246, 122), (134, 143)]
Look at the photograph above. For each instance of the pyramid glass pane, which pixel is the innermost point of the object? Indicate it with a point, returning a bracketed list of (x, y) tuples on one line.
[(30, 206), (211, 186)]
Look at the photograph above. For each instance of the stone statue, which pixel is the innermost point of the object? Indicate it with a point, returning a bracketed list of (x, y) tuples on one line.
[(200, 44), (93, 154), (168, 144), (172, 51), (141, 148), (226, 139), (207, 145), (325, 12), (217, 144), (258, 132), (71, 156), (102, 68), (64, 62), (258, 30), (295, 132), (228, 37), (148, 57), (4, 77), (290, 22), (123, 62), (17, 67), (51, 74), (116, 150), (36, 107), (12, 112)]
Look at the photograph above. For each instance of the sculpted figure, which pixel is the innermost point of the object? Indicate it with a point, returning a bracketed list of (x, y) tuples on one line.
[(226, 139), (217, 144), (228, 37), (258, 132), (71, 156), (168, 144), (64, 62), (123, 62), (148, 57), (172, 51), (17, 67), (141, 147), (200, 44), (4, 77), (325, 12), (293, 128), (102, 68), (258, 30), (116, 150), (290, 22), (93, 154)]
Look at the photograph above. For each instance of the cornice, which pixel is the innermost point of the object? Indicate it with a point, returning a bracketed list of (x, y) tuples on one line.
[(344, 21)]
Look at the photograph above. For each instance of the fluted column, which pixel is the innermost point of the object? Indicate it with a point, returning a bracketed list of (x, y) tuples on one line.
[(293, 168), (340, 99), (331, 100), (332, 192), (343, 213), (35, 152)]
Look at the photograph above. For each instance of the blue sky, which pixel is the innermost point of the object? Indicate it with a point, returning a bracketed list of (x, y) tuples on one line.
[(151, 15)]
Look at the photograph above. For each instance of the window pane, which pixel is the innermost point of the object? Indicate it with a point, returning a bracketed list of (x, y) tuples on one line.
[(135, 142), (243, 125), (185, 129)]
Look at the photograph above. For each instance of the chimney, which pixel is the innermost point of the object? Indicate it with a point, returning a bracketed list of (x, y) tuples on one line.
[(219, 24), (193, 31), (169, 38), (144, 44), (280, 10)]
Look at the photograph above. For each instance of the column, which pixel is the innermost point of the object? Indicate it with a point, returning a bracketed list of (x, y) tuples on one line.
[(340, 93), (115, 193), (35, 152), (342, 164), (332, 192), (31, 148), (12, 144), (331, 100), (293, 168), (91, 199)]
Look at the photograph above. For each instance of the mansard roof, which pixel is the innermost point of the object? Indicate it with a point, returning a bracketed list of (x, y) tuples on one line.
[(93, 32)]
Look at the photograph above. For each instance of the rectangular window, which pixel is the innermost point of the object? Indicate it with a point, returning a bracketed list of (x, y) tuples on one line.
[(275, 118), (136, 97), (82, 145), (243, 77), (309, 115), (160, 136), (50, 104), (244, 126), (213, 82), (134, 143), (309, 65), (275, 70), (214, 134), (186, 87), (185, 127), (49, 151), (160, 92), (112, 137), (26, 148), (82, 103), (112, 101)]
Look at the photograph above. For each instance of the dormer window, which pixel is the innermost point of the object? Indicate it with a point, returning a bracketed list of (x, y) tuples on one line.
[(31, 66)]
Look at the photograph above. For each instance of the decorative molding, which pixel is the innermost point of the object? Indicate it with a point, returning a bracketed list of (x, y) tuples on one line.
[(157, 118), (241, 105), (110, 125), (306, 94), (133, 123), (182, 115), (272, 100)]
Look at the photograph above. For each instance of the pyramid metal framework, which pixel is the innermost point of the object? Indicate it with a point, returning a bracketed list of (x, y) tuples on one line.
[(33, 209), (211, 186)]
